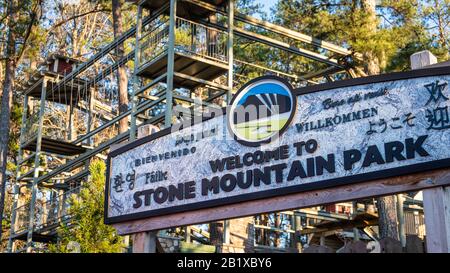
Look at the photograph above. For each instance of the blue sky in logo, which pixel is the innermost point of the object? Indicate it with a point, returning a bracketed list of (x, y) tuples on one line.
[(265, 88)]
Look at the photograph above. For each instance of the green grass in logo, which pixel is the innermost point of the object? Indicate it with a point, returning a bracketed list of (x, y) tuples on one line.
[(261, 128), (274, 105)]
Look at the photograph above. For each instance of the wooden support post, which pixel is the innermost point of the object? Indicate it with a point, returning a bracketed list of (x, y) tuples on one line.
[(401, 219), (436, 204), (436, 201), (145, 242)]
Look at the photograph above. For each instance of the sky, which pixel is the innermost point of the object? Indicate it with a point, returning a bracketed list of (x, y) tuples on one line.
[(267, 4)]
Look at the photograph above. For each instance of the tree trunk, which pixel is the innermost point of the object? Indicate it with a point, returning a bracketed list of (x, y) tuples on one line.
[(372, 63), (122, 78), (387, 208), (8, 86), (216, 233), (387, 217), (441, 29)]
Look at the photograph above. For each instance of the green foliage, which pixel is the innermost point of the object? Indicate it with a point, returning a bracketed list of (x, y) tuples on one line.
[(395, 33), (14, 134), (183, 37), (435, 16), (249, 7), (87, 228)]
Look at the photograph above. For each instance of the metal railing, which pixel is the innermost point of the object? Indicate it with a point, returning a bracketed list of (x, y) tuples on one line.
[(46, 213), (154, 42), (30, 128), (190, 38), (200, 40), (54, 123)]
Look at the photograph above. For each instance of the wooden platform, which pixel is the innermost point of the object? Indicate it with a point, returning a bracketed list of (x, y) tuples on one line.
[(72, 91), (360, 220), (55, 146), (189, 65), (37, 237), (184, 9)]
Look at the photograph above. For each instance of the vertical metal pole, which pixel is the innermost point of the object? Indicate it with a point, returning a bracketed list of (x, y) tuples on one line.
[(137, 59), (61, 202), (71, 121), (226, 232), (292, 227), (17, 186), (435, 200), (230, 49), (355, 230), (13, 217), (36, 165), (298, 228), (187, 234), (90, 113), (170, 63), (89, 123), (401, 220)]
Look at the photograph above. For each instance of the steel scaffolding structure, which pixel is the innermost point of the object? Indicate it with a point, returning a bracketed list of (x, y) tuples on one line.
[(183, 56)]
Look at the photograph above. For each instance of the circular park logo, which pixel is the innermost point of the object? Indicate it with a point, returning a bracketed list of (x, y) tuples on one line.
[(261, 110)]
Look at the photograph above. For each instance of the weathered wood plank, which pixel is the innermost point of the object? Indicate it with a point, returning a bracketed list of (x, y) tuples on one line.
[(374, 188), (436, 204), (144, 242), (435, 201)]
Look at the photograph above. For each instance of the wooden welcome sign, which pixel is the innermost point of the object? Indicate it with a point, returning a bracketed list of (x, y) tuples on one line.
[(278, 148)]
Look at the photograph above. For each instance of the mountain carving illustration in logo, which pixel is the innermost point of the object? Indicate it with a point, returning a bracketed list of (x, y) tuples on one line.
[(261, 110)]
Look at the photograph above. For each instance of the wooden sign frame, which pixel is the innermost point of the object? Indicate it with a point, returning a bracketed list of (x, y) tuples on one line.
[(381, 187), (409, 178)]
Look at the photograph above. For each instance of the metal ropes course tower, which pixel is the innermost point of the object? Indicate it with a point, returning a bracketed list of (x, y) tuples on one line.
[(181, 53)]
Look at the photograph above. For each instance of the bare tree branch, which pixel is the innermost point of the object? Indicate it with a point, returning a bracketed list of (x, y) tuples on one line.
[(75, 17), (29, 28)]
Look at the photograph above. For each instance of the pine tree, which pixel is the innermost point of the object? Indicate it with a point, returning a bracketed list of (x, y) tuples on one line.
[(86, 228), (382, 31), (21, 20), (435, 16), (385, 37), (122, 78)]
